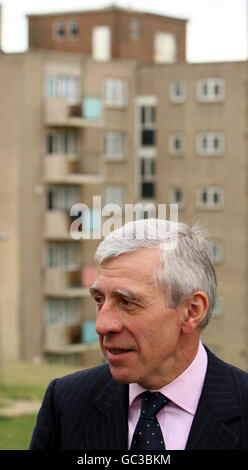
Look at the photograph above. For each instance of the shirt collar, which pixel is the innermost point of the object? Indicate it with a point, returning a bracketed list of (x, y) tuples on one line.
[(185, 390)]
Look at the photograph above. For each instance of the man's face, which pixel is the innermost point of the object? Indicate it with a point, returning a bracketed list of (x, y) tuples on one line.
[(139, 336)]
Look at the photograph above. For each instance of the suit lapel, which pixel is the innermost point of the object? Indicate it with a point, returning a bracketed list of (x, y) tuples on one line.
[(108, 429), (217, 407)]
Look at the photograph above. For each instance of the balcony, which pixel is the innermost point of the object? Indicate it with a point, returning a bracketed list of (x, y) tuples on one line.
[(59, 169), (60, 282), (58, 112), (67, 341), (57, 225), (64, 283)]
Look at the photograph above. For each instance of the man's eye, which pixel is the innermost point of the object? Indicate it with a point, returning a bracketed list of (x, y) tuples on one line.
[(126, 302), (99, 300)]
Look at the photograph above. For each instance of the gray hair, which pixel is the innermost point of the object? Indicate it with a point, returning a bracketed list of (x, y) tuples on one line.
[(184, 268)]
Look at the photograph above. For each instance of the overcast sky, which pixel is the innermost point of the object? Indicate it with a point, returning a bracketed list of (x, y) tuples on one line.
[(217, 29)]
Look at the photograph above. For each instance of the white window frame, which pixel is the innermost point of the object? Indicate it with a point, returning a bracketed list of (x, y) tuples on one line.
[(115, 92), (216, 251), (173, 150), (56, 27), (63, 143), (114, 194), (134, 28), (174, 200), (62, 86), (114, 146), (210, 149), (71, 27), (64, 197), (62, 255), (62, 311), (211, 191), (206, 90), (178, 91)]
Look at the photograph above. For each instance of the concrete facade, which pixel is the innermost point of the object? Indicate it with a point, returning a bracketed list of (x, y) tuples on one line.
[(160, 134)]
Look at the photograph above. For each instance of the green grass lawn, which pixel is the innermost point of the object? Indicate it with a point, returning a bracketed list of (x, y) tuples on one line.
[(29, 382), (16, 433)]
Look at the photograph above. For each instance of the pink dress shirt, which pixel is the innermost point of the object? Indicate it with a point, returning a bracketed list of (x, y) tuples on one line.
[(176, 418)]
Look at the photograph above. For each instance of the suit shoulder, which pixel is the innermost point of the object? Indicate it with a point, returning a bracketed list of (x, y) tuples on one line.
[(239, 375), (94, 377)]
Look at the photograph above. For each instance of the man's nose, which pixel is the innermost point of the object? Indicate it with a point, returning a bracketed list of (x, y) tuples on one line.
[(108, 319)]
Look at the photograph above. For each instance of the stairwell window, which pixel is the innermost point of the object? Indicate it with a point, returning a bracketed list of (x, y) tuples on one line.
[(147, 168), (147, 120)]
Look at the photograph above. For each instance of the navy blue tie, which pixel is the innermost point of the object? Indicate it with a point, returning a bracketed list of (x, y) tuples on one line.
[(148, 434)]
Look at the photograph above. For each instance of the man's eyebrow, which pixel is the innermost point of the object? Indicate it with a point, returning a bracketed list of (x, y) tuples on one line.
[(94, 289)]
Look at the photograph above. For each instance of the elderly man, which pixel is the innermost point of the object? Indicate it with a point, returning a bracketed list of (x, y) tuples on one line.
[(161, 389)]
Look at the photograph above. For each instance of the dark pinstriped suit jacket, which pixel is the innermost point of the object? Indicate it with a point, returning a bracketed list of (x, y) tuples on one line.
[(88, 410)]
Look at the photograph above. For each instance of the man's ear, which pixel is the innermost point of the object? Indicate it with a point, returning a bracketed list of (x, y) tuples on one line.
[(196, 309)]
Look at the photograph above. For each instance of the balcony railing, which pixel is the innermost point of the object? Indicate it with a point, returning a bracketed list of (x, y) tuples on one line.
[(58, 112), (59, 169)]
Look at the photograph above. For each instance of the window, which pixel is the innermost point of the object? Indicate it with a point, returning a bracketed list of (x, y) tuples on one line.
[(101, 43), (147, 118), (59, 30), (177, 91), (216, 251), (73, 29), (176, 196), (89, 334), (211, 89), (61, 311), (134, 28), (61, 255), (114, 146), (210, 197), (61, 198), (210, 143), (61, 142), (115, 92), (62, 86), (114, 195), (147, 171), (165, 48), (176, 144)]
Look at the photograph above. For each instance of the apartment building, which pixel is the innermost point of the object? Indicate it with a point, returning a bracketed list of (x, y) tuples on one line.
[(79, 130)]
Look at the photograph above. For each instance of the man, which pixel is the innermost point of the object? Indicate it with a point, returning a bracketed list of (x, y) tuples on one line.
[(162, 389)]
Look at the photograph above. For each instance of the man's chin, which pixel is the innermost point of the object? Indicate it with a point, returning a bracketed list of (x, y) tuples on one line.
[(122, 375)]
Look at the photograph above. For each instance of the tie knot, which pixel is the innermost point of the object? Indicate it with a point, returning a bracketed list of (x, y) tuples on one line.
[(151, 403)]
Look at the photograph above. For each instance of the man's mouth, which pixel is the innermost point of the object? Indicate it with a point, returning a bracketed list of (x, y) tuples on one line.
[(118, 351)]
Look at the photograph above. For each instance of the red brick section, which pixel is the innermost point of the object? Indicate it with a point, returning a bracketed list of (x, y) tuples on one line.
[(41, 33)]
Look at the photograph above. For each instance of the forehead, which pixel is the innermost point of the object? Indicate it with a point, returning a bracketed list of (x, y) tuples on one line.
[(136, 267)]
